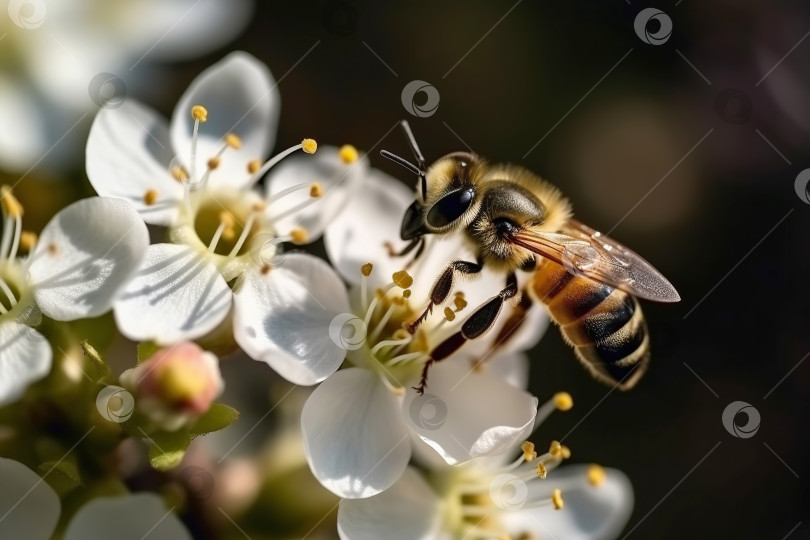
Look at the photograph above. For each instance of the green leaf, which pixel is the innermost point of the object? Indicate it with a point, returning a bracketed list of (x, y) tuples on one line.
[(217, 417), (167, 449), (63, 476), (145, 350)]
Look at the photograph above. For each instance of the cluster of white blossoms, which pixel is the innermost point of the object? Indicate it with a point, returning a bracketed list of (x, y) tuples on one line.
[(219, 276)]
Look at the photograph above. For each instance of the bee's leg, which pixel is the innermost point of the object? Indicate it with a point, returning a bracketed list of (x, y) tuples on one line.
[(475, 326), (441, 289), (392, 252), (510, 326)]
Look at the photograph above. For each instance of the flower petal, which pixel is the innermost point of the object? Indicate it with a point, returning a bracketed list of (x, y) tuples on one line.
[(25, 357), (590, 512), (21, 146), (372, 217), (128, 517), (355, 442), (408, 510), (176, 295), (129, 155), (29, 508), (241, 97), (84, 256), (284, 318), (338, 180), (466, 414)]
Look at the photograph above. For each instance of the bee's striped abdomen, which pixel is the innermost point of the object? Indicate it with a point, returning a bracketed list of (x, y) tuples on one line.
[(605, 325)]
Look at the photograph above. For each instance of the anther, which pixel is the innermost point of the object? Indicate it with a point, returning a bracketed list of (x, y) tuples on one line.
[(542, 472), (315, 190), (299, 235), (529, 453), (11, 206), (406, 293), (150, 197), (233, 141), (254, 165), (555, 449), (213, 163), (366, 269), (348, 154), (403, 279), (449, 315), (596, 475), (459, 301), (563, 401), (557, 500), (28, 240), (309, 146), (225, 218), (199, 113), (179, 173), (566, 452)]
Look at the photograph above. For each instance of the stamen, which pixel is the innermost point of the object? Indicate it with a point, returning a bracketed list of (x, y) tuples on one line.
[(381, 324), (284, 192), (233, 140), (316, 190), (542, 472), (253, 166), (299, 235), (396, 390), (8, 229), (348, 154), (28, 240), (449, 315), (10, 295), (179, 173), (406, 293), (365, 270), (242, 237), (596, 475), (200, 116), (226, 221), (529, 453), (403, 279), (459, 301), (311, 145), (150, 197), (557, 500), (17, 232), (391, 343), (11, 206), (563, 401), (213, 163)]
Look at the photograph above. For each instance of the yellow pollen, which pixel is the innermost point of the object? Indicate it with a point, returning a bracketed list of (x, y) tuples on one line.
[(299, 235), (28, 240), (213, 163), (557, 500), (459, 301), (309, 146), (555, 449), (406, 293), (348, 154), (233, 141), (448, 314), (11, 206), (179, 173), (566, 452), (542, 472), (563, 401), (315, 190), (528, 451), (199, 113), (596, 475), (403, 279), (366, 269), (150, 197), (254, 165)]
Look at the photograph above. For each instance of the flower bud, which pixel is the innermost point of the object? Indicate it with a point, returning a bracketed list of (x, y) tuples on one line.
[(175, 385)]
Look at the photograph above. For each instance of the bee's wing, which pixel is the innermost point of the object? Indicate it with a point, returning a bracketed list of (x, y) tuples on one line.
[(586, 252)]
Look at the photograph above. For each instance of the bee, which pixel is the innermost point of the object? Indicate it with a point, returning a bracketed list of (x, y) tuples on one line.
[(516, 221)]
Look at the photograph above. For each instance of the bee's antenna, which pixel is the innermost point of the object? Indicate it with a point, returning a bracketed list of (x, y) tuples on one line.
[(401, 161), (420, 160)]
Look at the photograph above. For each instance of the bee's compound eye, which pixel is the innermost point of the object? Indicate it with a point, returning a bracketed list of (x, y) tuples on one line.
[(450, 207)]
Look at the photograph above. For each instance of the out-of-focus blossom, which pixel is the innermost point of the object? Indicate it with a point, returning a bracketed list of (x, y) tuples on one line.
[(75, 270), (62, 60), (175, 385), (197, 176), (496, 498), (30, 509)]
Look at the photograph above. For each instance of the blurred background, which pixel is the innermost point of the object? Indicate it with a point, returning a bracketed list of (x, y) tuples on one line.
[(682, 130)]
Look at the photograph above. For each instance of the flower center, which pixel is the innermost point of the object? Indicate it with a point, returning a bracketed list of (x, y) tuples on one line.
[(14, 241), (227, 224)]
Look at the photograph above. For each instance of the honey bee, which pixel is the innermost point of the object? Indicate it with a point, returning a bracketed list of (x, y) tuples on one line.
[(514, 220)]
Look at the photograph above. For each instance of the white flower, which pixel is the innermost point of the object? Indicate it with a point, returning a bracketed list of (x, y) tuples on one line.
[(82, 259), (30, 509), (491, 498), (359, 423), (197, 176), (64, 59)]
